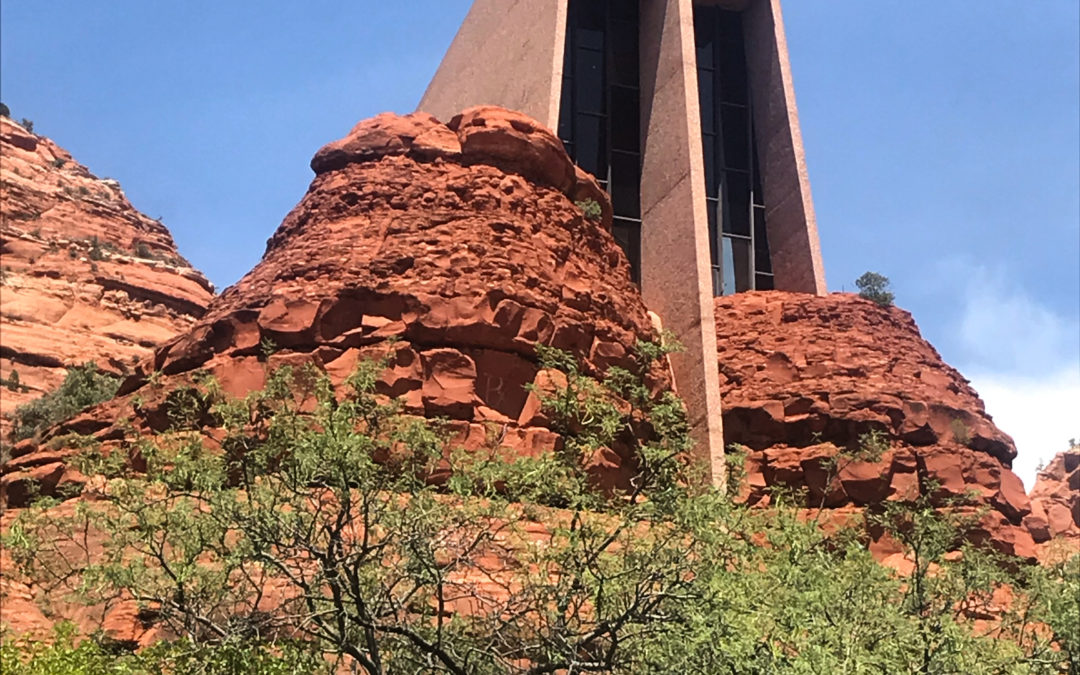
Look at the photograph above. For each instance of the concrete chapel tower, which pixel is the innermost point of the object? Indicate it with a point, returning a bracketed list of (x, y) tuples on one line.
[(685, 112)]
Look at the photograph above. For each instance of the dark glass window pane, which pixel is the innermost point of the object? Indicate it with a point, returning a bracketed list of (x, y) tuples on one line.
[(591, 145), (628, 234), (712, 181), (733, 74), (730, 27), (624, 52), (737, 203), (741, 270), (759, 193), (762, 258), (625, 119), (589, 81), (713, 207), (704, 32), (624, 10), (708, 102), (590, 24), (566, 111), (626, 184), (763, 282), (736, 137)]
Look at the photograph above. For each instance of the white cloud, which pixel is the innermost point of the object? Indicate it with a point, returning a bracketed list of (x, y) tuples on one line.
[(1004, 329), (1040, 413), (1024, 360)]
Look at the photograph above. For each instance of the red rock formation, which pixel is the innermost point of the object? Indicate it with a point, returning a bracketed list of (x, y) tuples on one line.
[(803, 376), (456, 247), (85, 277), (1055, 499)]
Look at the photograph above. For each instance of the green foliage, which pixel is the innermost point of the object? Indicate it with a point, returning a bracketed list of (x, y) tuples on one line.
[(4, 110), (83, 386), (875, 287), (59, 163), (27, 124), (142, 250), (517, 564), (96, 252), (590, 208), (12, 381), (960, 431), (66, 654)]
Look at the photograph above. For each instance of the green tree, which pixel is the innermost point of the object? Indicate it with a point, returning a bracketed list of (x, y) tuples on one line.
[(875, 287), (83, 386), (516, 564)]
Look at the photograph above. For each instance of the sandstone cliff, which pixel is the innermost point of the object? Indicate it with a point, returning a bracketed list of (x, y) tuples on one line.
[(85, 277), (451, 248), (803, 377), (1056, 495)]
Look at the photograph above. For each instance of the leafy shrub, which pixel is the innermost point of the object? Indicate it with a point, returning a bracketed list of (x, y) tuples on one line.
[(875, 287), (12, 381), (27, 124), (83, 386), (142, 250), (4, 110), (96, 252), (590, 208), (66, 654), (59, 163), (326, 494)]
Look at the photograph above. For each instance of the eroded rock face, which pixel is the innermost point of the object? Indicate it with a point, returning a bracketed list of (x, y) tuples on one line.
[(85, 276), (1055, 499), (803, 377), (453, 249)]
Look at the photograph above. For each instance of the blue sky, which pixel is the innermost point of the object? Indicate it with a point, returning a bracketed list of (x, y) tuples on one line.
[(943, 140)]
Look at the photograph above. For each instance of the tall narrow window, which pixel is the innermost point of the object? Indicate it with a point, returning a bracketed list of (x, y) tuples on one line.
[(737, 235), (599, 119)]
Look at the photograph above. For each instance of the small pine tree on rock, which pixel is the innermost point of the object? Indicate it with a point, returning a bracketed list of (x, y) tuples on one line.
[(875, 287)]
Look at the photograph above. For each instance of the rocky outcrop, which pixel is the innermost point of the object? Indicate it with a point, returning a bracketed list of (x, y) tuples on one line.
[(804, 378), (1055, 499), (453, 249), (85, 277)]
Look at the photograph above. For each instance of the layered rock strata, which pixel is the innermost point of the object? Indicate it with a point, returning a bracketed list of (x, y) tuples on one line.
[(451, 248), (85, 277), (804, 378)]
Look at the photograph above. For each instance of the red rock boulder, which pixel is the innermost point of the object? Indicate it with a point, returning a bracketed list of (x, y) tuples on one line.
[(454, 248), (804, 378)]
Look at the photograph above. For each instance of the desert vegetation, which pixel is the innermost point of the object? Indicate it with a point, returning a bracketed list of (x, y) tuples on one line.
[(332, 530)]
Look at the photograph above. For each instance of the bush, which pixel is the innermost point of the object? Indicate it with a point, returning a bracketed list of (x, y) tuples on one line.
[(518, 564), (83, 386), (27, 124), (142, 250), (591, 209), (66, 654), (12, 382), (4, 110), (875, 287), (96, 252)]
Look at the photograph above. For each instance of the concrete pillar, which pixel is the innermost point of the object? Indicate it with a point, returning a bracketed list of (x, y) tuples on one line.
[(676, 278), (507, 53), (789, 207)]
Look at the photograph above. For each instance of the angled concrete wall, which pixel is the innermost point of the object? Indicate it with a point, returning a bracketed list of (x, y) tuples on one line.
[(789, 207), (676, 278), (507, 53)]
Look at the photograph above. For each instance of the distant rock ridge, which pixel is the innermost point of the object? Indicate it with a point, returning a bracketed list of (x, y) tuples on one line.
[(802, 376), (451, 248), (85, 277), (1056, 495)]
